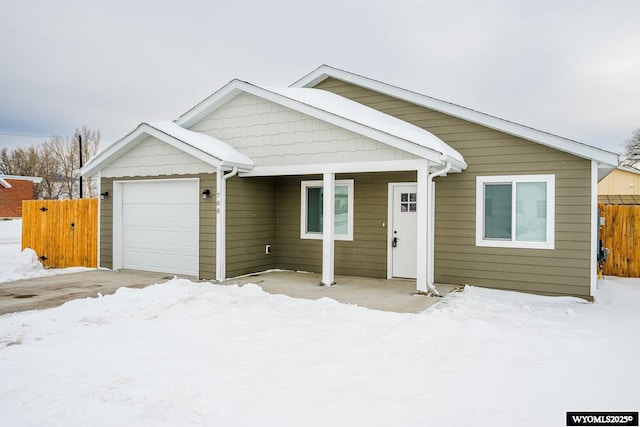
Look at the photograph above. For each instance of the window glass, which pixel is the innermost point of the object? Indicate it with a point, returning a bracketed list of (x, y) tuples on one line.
[(408, 202), (515, 211), (341, 210), (531, 212), (314, 210), (497, 211)]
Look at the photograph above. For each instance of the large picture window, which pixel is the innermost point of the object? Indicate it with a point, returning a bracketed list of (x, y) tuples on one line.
[(312, 210), (515, 211)]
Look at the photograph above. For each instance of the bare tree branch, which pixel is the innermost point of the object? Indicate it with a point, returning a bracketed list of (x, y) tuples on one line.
[(56, 161), (632, 150)]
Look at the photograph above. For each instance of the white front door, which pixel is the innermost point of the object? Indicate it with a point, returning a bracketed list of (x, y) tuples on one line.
[(403, 232)]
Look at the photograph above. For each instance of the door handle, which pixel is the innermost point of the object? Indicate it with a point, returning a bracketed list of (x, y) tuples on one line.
[(395, 242)]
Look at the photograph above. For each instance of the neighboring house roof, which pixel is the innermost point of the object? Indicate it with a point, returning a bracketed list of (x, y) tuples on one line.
[(204, 147), (627, 199), (544, 138), (605, 171), (5, 183), (338, 111), (629, 169)]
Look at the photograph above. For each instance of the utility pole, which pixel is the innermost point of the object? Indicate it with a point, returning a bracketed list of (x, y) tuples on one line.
[(80, 146)]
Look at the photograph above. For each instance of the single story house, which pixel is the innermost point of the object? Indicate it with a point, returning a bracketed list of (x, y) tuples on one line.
[(13, 190), (342, 174), (620, 186)]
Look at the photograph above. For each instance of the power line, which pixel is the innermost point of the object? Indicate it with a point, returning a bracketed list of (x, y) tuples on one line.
[(31, 136)]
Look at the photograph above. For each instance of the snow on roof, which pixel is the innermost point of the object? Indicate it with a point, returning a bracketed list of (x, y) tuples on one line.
[(341, 112), (204, 147), (369, 117), (5, 184), (208, 144), (577, 148)]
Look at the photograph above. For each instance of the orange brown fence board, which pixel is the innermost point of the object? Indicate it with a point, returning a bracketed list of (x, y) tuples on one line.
[(64, 233), (621, 235)]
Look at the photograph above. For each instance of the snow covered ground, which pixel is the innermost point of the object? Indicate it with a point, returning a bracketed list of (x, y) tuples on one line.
[(183, 353), (10, 238), (16, 265)]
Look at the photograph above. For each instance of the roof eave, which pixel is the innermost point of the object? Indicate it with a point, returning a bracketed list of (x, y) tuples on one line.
[(234, 87), (34, 179), (143, 131), (182, 145), (573, 147), (211, 103), (109, 154)]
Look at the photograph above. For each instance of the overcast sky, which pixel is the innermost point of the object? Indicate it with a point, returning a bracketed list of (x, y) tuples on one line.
[(571, 68)]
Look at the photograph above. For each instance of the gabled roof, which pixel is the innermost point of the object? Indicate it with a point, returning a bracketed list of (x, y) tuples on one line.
[(629, 169), (553, 141), (338, 111), (5, 183), (204, 147)]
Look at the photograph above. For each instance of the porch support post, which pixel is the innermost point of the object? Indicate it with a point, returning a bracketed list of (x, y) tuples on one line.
[(422, 229), (328, 255)]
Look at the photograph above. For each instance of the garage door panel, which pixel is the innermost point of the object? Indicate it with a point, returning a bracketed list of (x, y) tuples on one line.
[(162, 214), (152, 236), (160, 226), (159, 262)]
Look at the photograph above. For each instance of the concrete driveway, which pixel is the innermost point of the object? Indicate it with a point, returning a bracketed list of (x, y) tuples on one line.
[(378, 294), (396, 295), (46, 292)]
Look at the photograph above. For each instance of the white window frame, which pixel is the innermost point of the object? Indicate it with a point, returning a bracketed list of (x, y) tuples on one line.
[(550, 180), (304, 234)]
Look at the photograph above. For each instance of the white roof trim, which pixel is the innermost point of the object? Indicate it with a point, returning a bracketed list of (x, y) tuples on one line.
[(34, 179), (228, 155), (203, 147), (341, 112), (347, 167), (553, 141)]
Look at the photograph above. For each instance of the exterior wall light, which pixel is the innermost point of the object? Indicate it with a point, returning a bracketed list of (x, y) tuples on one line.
[(104, 195), (206, 193)]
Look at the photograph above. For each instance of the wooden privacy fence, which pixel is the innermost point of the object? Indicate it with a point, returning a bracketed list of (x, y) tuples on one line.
[(621, 235), (64, 233)]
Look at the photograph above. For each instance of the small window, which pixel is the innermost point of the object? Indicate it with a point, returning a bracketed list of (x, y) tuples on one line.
[(312, 210), (408, 202), (515, 211)]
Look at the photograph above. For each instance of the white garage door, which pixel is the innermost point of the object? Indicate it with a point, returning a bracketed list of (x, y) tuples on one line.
[(160, 224)]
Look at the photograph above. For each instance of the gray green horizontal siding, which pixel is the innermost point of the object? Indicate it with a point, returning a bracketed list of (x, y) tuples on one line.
[(251, 225), (106, 225), (208, 227), (207, 252), (366, 255), (564, 270), (293, 252)]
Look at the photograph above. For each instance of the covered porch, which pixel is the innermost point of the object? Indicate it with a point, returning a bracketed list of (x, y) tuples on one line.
[(395, 295)]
